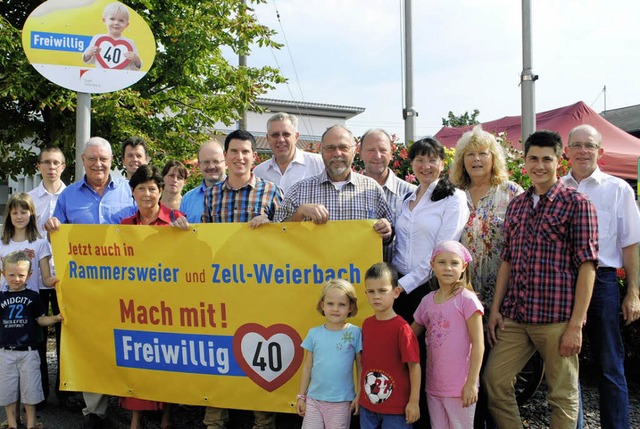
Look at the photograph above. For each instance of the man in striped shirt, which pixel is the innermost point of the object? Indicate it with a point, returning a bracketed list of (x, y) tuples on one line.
[(543, 288)]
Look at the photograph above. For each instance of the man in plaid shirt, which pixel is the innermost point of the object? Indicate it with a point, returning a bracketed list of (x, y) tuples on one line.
[(543, 288), (241, 197), (337, 193)]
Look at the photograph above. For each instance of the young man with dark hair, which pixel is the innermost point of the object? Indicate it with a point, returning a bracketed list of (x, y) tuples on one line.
[(543, 288)]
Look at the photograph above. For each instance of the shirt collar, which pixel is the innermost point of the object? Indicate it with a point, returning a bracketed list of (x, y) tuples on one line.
[(110, 185), (252, 183), (298, 158), (325, 178), (392, 183), (427, 193), (553, 192), (203, 185), (596, 176), (164, 215), (41, 191)]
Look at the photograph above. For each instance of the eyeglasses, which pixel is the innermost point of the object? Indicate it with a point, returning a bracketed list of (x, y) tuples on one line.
[(341, 148), (49, 163), (208, 163), (93, 159), (586, 146), (285, 135)]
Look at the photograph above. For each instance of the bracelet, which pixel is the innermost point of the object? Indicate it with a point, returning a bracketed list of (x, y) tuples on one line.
[(303, 397)]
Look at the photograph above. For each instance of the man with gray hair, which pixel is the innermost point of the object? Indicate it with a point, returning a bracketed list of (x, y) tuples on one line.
[(619, 226), (288, 164), (97, 198), (337, 193), (376, 154)]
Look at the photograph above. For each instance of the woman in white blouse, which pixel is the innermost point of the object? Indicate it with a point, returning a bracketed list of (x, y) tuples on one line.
[(435, 212)]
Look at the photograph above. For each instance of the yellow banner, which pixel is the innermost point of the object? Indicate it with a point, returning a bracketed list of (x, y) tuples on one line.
[(211, 316)]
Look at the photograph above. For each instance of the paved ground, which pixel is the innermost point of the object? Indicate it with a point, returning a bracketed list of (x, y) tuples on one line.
[(535, 413)]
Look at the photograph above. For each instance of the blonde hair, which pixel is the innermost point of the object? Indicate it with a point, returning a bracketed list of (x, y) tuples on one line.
[(21, 200), (346, 288), (16, 257), (474, 140), (115, 8)]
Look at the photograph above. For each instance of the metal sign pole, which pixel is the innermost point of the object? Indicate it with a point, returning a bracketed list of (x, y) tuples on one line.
[(83, 130)]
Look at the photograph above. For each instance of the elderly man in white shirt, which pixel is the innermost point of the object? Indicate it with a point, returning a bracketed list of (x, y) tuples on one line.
[(619, 232), (288, 164)]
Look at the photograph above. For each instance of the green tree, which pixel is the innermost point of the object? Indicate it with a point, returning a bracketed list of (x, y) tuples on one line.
[(189, 88), (461, 121)]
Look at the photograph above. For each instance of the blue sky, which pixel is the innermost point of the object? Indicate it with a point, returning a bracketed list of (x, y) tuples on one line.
[(467, 55)]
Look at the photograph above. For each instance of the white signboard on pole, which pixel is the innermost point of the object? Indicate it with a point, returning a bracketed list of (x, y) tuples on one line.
[(88, 46)]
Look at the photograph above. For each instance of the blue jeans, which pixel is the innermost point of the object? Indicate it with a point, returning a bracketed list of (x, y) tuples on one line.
[(607, 350), (371, 420)]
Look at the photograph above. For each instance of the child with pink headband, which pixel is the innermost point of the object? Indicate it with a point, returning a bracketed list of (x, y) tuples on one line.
[(451, 319)]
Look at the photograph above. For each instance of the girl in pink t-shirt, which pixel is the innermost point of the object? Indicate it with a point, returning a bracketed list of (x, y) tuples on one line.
[(451, 319)]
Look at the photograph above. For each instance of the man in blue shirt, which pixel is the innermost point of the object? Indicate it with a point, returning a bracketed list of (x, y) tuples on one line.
[(97, 198), (212, 165)]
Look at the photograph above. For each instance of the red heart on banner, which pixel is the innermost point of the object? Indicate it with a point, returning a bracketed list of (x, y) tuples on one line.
[(268, 356), (111, 56)]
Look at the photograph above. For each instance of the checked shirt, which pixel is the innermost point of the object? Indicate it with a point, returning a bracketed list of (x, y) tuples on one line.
[(546, 246), (225, 204), (360, 198)]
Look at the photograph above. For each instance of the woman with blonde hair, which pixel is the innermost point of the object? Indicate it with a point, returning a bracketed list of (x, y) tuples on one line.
[(479, 168)]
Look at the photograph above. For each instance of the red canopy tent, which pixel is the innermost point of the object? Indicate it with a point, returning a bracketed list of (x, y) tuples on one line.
[(621, 150)]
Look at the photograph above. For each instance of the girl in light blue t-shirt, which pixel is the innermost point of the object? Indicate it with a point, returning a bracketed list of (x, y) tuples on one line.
[(328, 395)]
